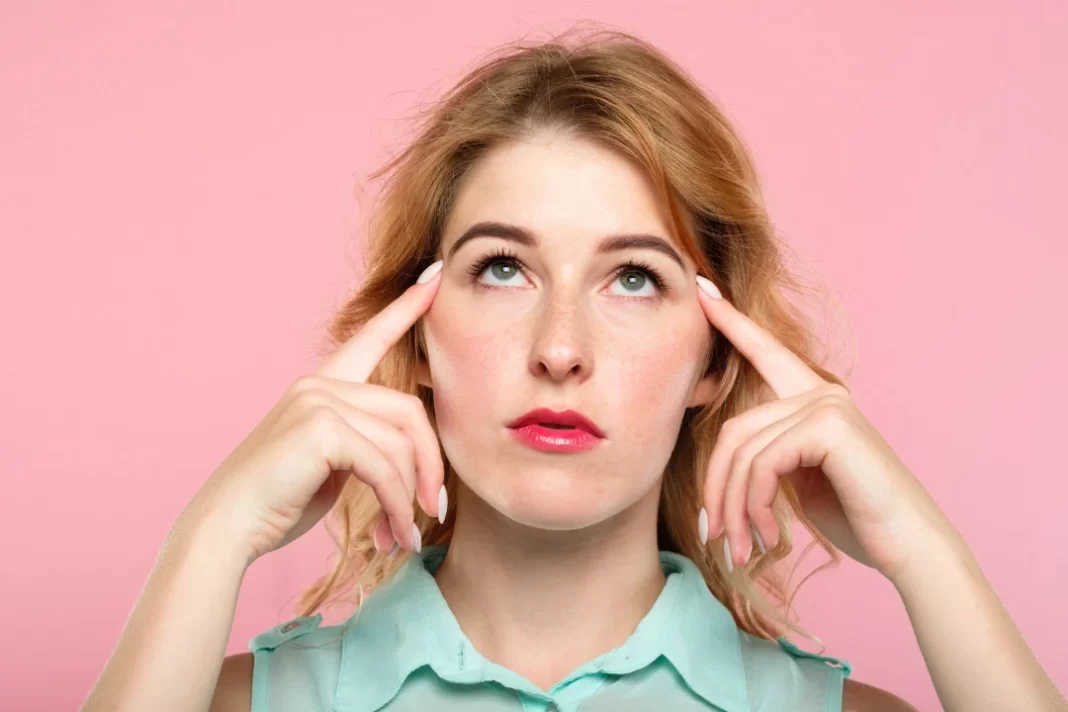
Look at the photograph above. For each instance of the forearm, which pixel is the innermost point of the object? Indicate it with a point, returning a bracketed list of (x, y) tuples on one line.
[(974, 652), (172, 646)]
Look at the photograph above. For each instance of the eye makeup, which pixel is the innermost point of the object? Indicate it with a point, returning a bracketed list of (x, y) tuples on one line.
[(503, 254)]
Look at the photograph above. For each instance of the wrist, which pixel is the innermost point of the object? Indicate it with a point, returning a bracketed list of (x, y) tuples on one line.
[(210, 535), (935, 555)]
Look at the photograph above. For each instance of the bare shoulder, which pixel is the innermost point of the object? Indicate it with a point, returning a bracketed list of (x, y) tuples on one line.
[(233, 692), (861, 697)]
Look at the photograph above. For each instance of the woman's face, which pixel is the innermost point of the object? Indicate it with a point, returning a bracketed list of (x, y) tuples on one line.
[(554, 323)]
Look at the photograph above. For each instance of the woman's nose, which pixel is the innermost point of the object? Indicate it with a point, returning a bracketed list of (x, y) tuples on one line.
[(560, 349)]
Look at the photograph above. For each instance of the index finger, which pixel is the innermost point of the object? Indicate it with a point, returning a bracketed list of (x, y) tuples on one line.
[(780, 367), (357, 358)]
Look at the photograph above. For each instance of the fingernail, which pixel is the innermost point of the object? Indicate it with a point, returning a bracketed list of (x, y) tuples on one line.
[(429, 272), (727, 554), (710, 289), (759, 541), (702, 526), (417, 538), (443, 504), (394, 550)]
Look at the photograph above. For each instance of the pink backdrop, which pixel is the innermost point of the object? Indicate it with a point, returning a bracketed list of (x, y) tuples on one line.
[(177, 214)]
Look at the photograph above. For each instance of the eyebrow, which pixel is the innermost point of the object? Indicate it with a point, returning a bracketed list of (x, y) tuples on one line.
[(612, 243)]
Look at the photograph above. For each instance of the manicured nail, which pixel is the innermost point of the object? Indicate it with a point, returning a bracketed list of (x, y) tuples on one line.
[(710, 289), (759, 541), (702, 526), (727, 554), (443, 504), (394, 550), (429, 272), (417, 538)]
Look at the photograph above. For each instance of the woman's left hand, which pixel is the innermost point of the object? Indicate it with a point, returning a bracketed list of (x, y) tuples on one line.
[(849, 481)]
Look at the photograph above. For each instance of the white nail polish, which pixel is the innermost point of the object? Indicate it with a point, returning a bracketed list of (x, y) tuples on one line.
[(443, 504), (429, 272), (709, 288), (702, 526), (394, 550), (759, 541), (417, 538), (727, 554)]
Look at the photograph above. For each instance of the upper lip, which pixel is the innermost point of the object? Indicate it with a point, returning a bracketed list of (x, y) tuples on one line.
[(541, 416)]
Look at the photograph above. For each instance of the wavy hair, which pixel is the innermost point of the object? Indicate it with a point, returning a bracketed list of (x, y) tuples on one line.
[(621, 92)]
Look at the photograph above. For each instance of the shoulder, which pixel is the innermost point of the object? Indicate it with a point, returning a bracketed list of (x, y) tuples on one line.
[(780, 675), (766, 658), (293, 663), (233, 691), (860, 697), (779, 660)]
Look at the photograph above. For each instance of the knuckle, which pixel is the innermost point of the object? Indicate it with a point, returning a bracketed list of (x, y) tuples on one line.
[(324, 422), (306, 382), (744, 455), (761, 466), (405, 447), (414, 406), (398, 444), (829, 413), (831, 420), (732, 433), (309, 399), (837, 391)]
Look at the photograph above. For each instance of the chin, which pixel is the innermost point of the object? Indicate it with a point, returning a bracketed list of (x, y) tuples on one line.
[(553, 498)]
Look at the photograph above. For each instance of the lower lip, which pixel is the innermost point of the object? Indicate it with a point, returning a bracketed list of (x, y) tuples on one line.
[(538, 437)]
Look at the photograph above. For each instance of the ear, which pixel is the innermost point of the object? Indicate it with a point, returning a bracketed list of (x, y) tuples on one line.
[(704, 391), (422, 372), (422, 366)]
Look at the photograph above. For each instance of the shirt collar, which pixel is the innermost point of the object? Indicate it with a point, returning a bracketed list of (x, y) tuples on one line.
[(408, 617)]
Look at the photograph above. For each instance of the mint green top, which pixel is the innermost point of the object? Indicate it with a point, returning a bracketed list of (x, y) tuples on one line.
[(405, 651)]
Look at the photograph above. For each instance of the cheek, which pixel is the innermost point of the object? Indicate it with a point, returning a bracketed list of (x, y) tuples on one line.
[(468, 352), (654, 375)]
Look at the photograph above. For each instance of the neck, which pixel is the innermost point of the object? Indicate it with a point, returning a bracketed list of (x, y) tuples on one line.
[(524, 595)]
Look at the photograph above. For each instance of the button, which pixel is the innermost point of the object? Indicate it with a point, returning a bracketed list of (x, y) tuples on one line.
[(285, 631), (827, 660)]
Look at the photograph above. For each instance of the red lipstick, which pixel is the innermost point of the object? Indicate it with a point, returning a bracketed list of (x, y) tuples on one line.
[(551, 431)]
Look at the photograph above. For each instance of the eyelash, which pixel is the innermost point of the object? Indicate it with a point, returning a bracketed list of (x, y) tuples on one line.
[(502, 254)]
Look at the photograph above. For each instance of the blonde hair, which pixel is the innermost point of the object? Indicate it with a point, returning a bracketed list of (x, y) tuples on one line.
[(619, 91)]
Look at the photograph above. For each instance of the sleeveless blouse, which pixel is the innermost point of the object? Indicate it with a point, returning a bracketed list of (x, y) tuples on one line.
[(404, 651)]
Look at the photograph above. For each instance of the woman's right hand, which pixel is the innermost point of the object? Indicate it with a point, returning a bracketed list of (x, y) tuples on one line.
[(329, 425)]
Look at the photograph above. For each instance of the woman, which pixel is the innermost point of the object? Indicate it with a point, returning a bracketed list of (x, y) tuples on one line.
[(609, 417)]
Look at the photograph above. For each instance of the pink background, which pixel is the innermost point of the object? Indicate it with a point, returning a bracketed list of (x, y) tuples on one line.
[(177, 216)]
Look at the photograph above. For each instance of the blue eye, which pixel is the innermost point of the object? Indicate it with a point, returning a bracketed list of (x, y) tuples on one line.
[(502, 267), (636, 283), (638, 278)]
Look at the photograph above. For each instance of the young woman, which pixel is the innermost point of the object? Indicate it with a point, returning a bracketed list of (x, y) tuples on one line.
[(567, 457)]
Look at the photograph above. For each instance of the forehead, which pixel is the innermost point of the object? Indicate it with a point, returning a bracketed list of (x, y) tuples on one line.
[(559, 187)]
